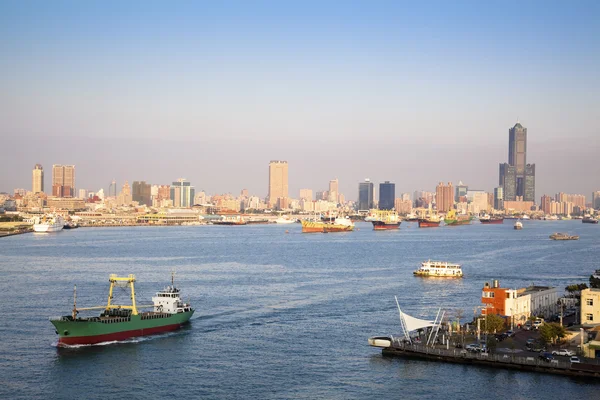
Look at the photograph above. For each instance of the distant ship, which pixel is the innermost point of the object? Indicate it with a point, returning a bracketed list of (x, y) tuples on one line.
[(120, 322), (563, 236), (386, 220), (589, 220), (233, 220), (411, 217), (518, 225), (452, 219), (430, 221), (285, 220), (486, 219), (340, 224), (49, 223)]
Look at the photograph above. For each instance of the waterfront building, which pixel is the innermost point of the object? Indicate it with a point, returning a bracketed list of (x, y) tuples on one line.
[(545, 204), (182, 193), (62, 203), (479, 202), (278, 181), (461, 190), (596, 200), (124, 197), (63, 180), (163, 192), (306, 194), (517, 177), (333, 190), (365, 195), (141, 192), (590, 306), (499, 198), (444, 197), (82, 194), (519, 304), (403, 206), (387, 195), (518, 206), (37, 181)]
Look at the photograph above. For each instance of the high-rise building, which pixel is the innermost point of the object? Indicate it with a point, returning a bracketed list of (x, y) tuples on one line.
[(83, 194), (63, 180), (444, 197), (37, 182), (387, 195), (517, 177), (244, 193), (182, 193), (333, 190), (278, 181), (124, 197), (112, 189), (365, 195), (545, 204), (596, 200), (461, 190), (142, 192), (499, 198), (306, 194)]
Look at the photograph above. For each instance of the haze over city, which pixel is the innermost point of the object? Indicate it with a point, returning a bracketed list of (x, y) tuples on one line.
[(406, 93)]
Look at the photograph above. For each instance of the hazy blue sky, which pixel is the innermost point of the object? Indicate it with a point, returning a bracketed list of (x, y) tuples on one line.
[(415, 92)]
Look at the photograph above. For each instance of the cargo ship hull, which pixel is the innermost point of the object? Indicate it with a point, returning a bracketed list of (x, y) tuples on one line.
[(321, 227), (385, 226), (84, 331), (492, 221), (428, 224), (457, 222)]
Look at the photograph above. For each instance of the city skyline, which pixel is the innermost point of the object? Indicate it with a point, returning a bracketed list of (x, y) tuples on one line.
[(368, 91)]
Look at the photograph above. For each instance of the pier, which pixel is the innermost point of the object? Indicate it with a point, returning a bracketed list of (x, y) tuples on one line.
[(399, 348)]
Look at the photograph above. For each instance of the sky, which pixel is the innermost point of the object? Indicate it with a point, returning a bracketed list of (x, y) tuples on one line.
[(411, 92)]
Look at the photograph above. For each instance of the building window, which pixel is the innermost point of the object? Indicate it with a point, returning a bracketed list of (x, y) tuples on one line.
[(589, 302), (589, 317)]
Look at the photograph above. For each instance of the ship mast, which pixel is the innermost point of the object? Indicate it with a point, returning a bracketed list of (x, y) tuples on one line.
[(74, 314)]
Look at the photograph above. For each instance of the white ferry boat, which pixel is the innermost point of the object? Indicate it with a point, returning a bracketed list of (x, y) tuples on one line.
[(285, 220), (439, 268), (49, 223)]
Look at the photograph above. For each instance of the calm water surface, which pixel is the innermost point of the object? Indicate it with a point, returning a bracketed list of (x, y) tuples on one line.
[(277, 315)]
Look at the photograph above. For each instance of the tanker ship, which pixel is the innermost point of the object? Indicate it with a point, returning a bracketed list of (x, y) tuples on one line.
[(385, 220), (340, 224), (120, 322), (452, 219), (486, 219)]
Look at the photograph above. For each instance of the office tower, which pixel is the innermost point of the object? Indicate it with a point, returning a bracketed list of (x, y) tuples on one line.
[(333, 190), (63, 180), (545, 204), (112, 189), (278, 181), (365, 195), (306, 194), (444, 197), (387, 195), (141, 192), (499, 198), (596, 200), (37, 184), (517, 177), (82, 194), (461, 190), (244, 193), (182, 193)]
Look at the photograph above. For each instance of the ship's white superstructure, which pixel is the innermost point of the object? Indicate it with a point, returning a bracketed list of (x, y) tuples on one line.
[(49, 223), (439, 268)]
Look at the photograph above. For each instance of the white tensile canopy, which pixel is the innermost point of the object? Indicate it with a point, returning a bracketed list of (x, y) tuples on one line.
[(411, 324)]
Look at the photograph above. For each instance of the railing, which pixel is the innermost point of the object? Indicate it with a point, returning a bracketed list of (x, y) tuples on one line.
[(491, 357)]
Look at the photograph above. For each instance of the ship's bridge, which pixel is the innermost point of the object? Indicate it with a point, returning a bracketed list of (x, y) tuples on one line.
[(168, 301)]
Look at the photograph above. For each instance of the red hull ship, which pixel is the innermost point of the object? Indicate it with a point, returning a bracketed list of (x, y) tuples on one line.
[(385, 226), (492, 221), (427, 223)]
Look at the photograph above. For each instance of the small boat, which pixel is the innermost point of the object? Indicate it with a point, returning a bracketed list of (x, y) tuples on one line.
[(518, 225), (589, 220), (563, 236), (49, 223), (439, 269), (386, 220), (411, 217), (285, 220), (486, 219), (230, 220)]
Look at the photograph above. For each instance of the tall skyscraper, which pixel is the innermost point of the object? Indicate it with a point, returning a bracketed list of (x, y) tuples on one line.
[(596, 200), (333, 190), (387, 195), (306, 194), (499, 198), (444, 197), (278, 181), (365, 195), (545, 204), (37, 184), (182, 193), (63, 180), (112, 189), (142, 192), (461, 190), (517, 177)]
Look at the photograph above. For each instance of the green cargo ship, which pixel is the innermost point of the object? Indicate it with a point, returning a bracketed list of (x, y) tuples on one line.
[(120, 322), (453, 219)]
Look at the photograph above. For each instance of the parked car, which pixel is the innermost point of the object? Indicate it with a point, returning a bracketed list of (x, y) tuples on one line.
[(500, 336), (563, 352), (510, 333), (527, 326), (575, 360), (473, 347), (537, 323), (546, 356)]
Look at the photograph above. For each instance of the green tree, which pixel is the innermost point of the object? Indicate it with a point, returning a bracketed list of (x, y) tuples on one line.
[(594, 282), (491, 343), (491, 323), (551, 332)]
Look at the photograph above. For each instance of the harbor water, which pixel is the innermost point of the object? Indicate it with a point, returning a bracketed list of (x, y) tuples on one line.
[(278, 315)]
